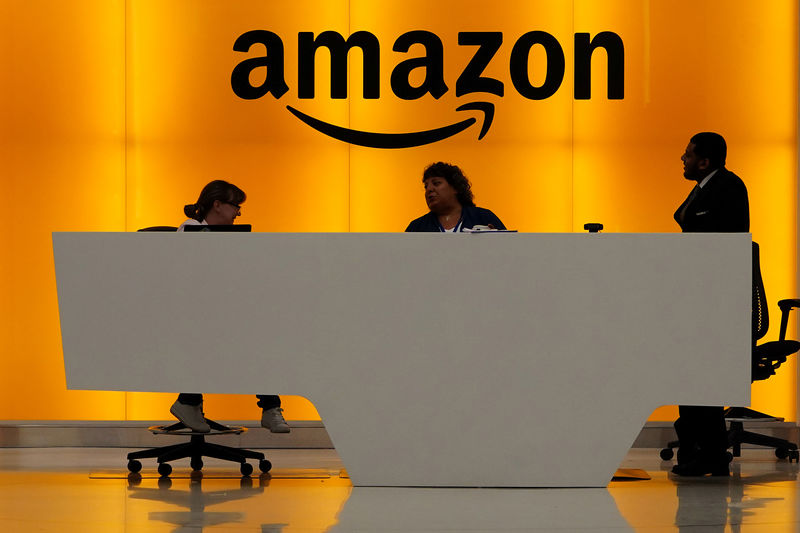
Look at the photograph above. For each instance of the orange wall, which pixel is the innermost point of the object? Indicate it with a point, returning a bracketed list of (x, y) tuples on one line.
[(115, 114)]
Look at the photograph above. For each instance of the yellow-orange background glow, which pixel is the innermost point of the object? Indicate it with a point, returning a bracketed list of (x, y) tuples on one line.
[(114, 114)]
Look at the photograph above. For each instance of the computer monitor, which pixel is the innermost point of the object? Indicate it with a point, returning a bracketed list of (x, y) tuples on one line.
[(219, 227)]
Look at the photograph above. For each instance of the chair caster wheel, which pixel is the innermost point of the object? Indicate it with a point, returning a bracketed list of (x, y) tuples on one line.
[(781, 453), (164, 469), (196, 464), (666, 454), (246, 469), (134, 466), (794, 455), (729, 457), (264, 465)]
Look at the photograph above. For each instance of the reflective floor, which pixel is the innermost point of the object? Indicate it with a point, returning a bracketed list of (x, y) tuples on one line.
[(88, 490)]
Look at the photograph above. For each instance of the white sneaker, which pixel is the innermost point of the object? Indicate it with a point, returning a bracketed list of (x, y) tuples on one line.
[(273, 420), (191, 416)]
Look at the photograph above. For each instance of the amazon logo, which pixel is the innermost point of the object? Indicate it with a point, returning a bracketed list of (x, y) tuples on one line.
[(471, 81)]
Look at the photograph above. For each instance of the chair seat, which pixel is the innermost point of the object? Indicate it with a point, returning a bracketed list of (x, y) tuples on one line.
[(180, 429), (776, 350)]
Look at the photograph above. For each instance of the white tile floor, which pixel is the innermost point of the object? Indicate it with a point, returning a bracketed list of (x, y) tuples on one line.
[(51, 490)]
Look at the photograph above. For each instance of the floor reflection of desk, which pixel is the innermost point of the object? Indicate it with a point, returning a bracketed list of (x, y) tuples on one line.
[(458, 509), (760, 495), (458, 360)]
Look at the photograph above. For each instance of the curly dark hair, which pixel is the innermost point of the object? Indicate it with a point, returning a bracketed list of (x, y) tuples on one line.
[(455, 177), (216, 190)]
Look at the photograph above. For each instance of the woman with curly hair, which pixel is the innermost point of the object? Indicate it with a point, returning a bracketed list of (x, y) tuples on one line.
[(448, 194)]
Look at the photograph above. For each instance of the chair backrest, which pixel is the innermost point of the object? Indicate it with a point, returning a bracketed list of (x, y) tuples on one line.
[(760, 312), (159, 228)]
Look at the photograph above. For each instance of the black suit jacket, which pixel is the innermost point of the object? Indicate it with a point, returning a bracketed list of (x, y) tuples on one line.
[(721, 206)]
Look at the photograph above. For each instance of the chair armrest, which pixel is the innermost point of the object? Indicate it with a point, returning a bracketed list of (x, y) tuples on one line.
[(789, 304), (786, 307)]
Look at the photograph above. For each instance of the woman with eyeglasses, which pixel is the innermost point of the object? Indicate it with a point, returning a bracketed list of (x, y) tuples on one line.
[(220, 203)]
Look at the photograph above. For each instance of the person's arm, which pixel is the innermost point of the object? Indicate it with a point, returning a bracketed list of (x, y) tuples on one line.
[(492, 220)]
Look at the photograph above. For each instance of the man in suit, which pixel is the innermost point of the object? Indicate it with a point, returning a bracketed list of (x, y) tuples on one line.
[(718, 203)]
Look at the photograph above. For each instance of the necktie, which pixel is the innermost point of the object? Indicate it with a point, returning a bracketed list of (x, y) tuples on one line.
[(689, 200)]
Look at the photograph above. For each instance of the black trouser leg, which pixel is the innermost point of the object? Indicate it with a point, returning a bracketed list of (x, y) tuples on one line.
[(701, 430), (187, 398), (687, 445), (713, 441), (267, 401)]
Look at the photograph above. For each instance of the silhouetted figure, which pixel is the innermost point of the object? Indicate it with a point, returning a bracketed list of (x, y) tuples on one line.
[(718, 203)]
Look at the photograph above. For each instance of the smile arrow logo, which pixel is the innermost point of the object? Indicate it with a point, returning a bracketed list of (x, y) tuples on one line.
[(400, 140)]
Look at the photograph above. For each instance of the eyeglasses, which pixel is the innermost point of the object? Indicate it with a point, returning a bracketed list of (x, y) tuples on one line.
[(237, 206)]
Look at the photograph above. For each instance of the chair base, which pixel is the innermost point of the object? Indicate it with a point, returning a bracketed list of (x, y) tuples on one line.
[(736, 416), (196, 449), (738, 436)]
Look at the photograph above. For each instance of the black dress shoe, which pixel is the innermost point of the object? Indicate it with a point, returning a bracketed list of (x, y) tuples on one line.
[(698, 468)]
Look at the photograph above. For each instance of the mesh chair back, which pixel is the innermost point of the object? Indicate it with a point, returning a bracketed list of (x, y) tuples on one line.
[(760, 312), (159, 228)]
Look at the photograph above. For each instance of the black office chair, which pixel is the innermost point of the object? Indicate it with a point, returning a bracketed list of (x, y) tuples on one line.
[(766, 358), (197, 447), (160, 228)]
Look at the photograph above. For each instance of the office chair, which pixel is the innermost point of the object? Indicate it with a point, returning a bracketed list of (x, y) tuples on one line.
[(197, 447), (160, 228), (766, 358)]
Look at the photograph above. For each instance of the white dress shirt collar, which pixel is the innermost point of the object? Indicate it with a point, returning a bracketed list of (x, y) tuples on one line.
[(705, 180)]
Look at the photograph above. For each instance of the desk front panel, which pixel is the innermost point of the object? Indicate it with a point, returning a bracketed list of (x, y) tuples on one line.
[(433, 359)]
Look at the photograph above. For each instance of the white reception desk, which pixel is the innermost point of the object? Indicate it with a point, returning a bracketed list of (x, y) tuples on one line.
[(500, 360)]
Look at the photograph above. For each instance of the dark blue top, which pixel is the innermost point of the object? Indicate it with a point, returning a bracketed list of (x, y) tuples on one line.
[(470, 217)]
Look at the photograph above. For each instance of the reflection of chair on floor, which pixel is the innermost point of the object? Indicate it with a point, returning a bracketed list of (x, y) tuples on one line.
[(766, 358), (197, 447), (196, 500), (729, 503)]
